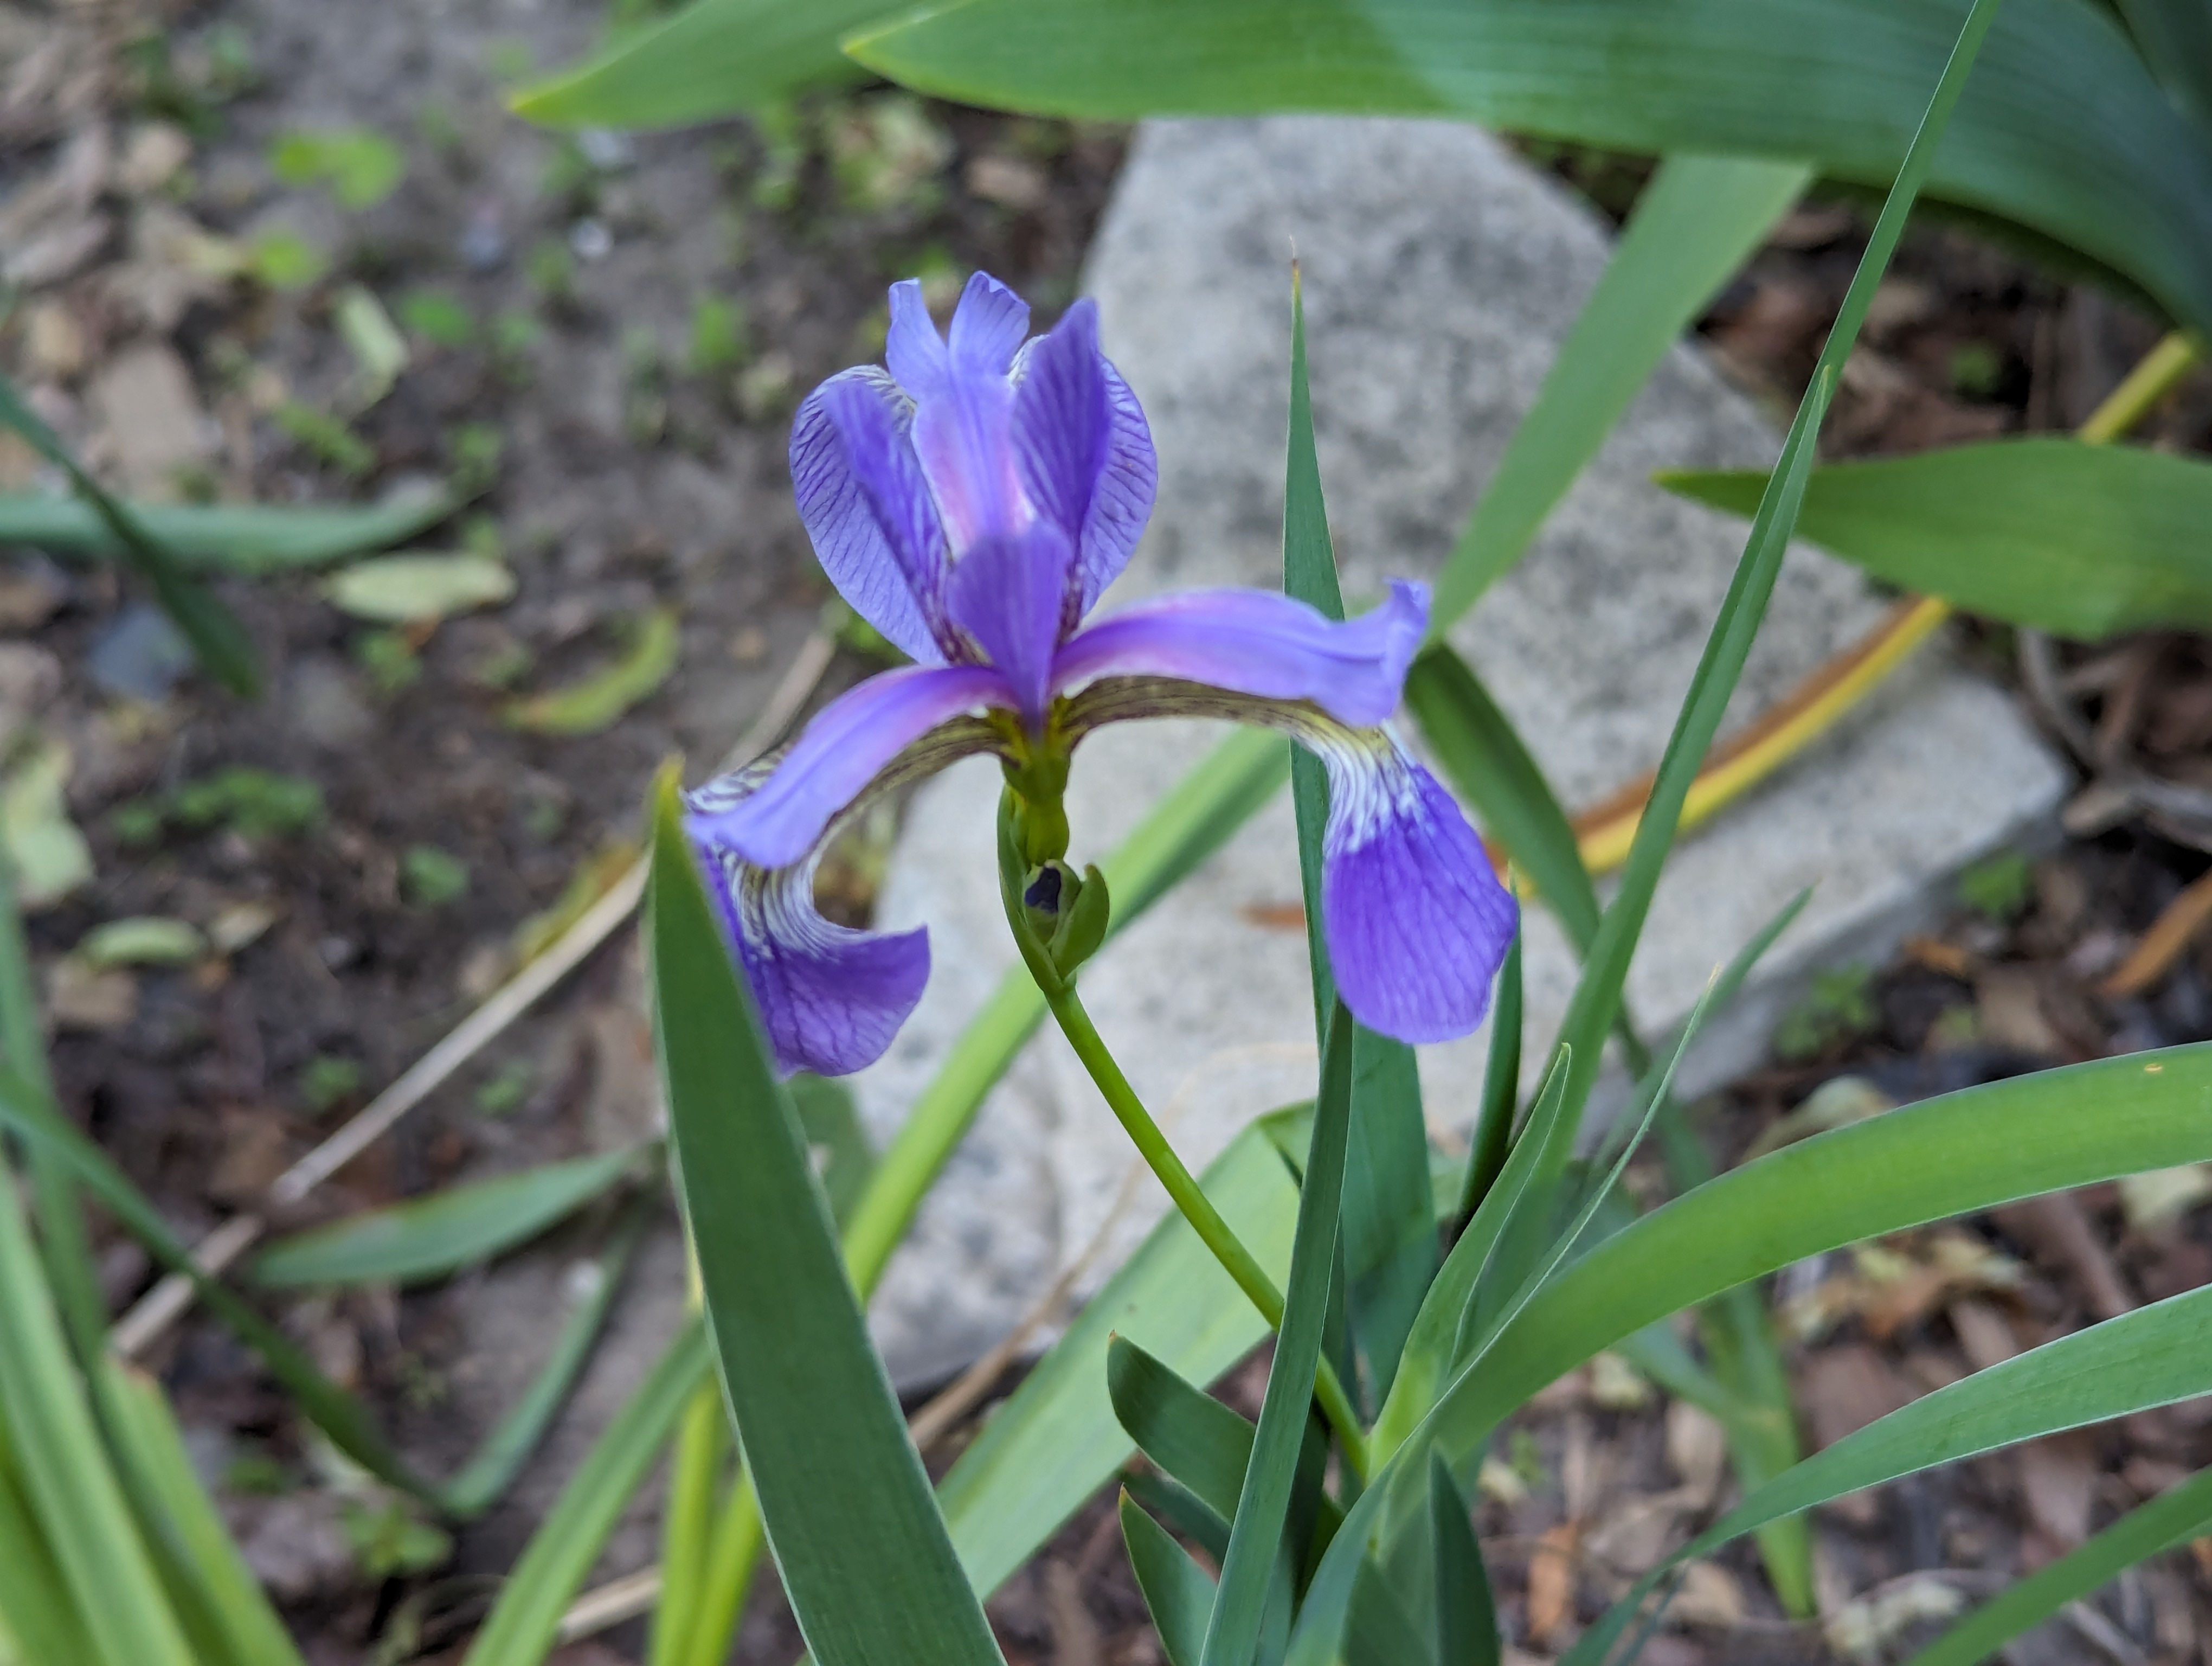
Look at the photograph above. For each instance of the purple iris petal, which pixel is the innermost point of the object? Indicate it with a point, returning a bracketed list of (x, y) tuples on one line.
[(831, 998), (1006, 593), (1418, 922), (912, 348), (1084, 452), (1259, 643), (988, 326), (845, 747), (867, 508)]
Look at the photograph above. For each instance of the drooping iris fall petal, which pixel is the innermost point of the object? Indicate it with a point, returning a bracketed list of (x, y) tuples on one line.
[(1258, 643), (850, 743)]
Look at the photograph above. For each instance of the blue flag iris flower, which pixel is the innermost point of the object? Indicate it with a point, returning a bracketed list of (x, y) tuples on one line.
[(972, 502)]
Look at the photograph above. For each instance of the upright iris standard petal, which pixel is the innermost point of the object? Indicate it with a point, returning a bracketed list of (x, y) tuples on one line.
[(988, 326), (867, 508), (1083, 451), (1005, 594), (1417, 921), (849, 743), (963, 408), (831, 998), (1259, 643), (913, 350)]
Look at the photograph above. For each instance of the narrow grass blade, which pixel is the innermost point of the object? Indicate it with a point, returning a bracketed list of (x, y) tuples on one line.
[(1178, 1593), (245, 538), (1466, 1615), (27, 1113), (64, 1243), (1431, 1348), (865, 1560), (150, 1443), (1597, 1001), (2165, 1522), (1695, 223), (1744, 1358), (491, 1469), (1501, 1091), (1389, 1229), (1057, 1440), (702, 1446), (2151, 1357), (1255, 1531), (1948, 1155), (1197, 1442), (413, 1243), (67, 1479), (217, 638), (35, 1599), (522, 1624), (1483, 756)]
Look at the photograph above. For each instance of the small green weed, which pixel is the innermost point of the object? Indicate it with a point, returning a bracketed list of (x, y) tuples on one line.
[(432, 878), (330, 440), (327, 1080), (437, 318), (1836, 1009), (360, 167), (1999, 889)]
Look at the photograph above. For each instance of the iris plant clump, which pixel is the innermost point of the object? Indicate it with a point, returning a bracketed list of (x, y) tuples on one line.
[(973, 501)]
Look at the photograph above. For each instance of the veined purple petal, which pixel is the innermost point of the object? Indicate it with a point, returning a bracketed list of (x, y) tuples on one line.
[(912, 348), (1083, 451), (1006, 593), (1417, 921), (988, 326), (832, 998), (849, 743), (861, 494), (961, 436), (1259, 643)]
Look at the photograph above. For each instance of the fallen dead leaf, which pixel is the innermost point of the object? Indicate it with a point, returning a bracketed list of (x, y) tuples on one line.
[(1697, 1447), (1617, 1386), (1075, 1636), (144, 401), (2158, 1197), (1636, 1532), (1708, 1597), (1864, 1628), (256, 1147), (78, 998), (53, 342), (1844, 1389), (1938, 956), (1984, 1332), (2058, 1484), (1551, 1580), (151, 156), (2057, 1230), (2010, 1002)]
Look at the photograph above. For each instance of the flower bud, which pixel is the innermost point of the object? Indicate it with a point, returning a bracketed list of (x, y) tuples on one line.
[(1083, 920)]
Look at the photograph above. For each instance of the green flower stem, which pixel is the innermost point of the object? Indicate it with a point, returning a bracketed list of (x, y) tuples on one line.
[(1182, 1188)]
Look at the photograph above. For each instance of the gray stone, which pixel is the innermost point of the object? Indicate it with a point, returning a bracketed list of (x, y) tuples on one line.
[(1441, 274)]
